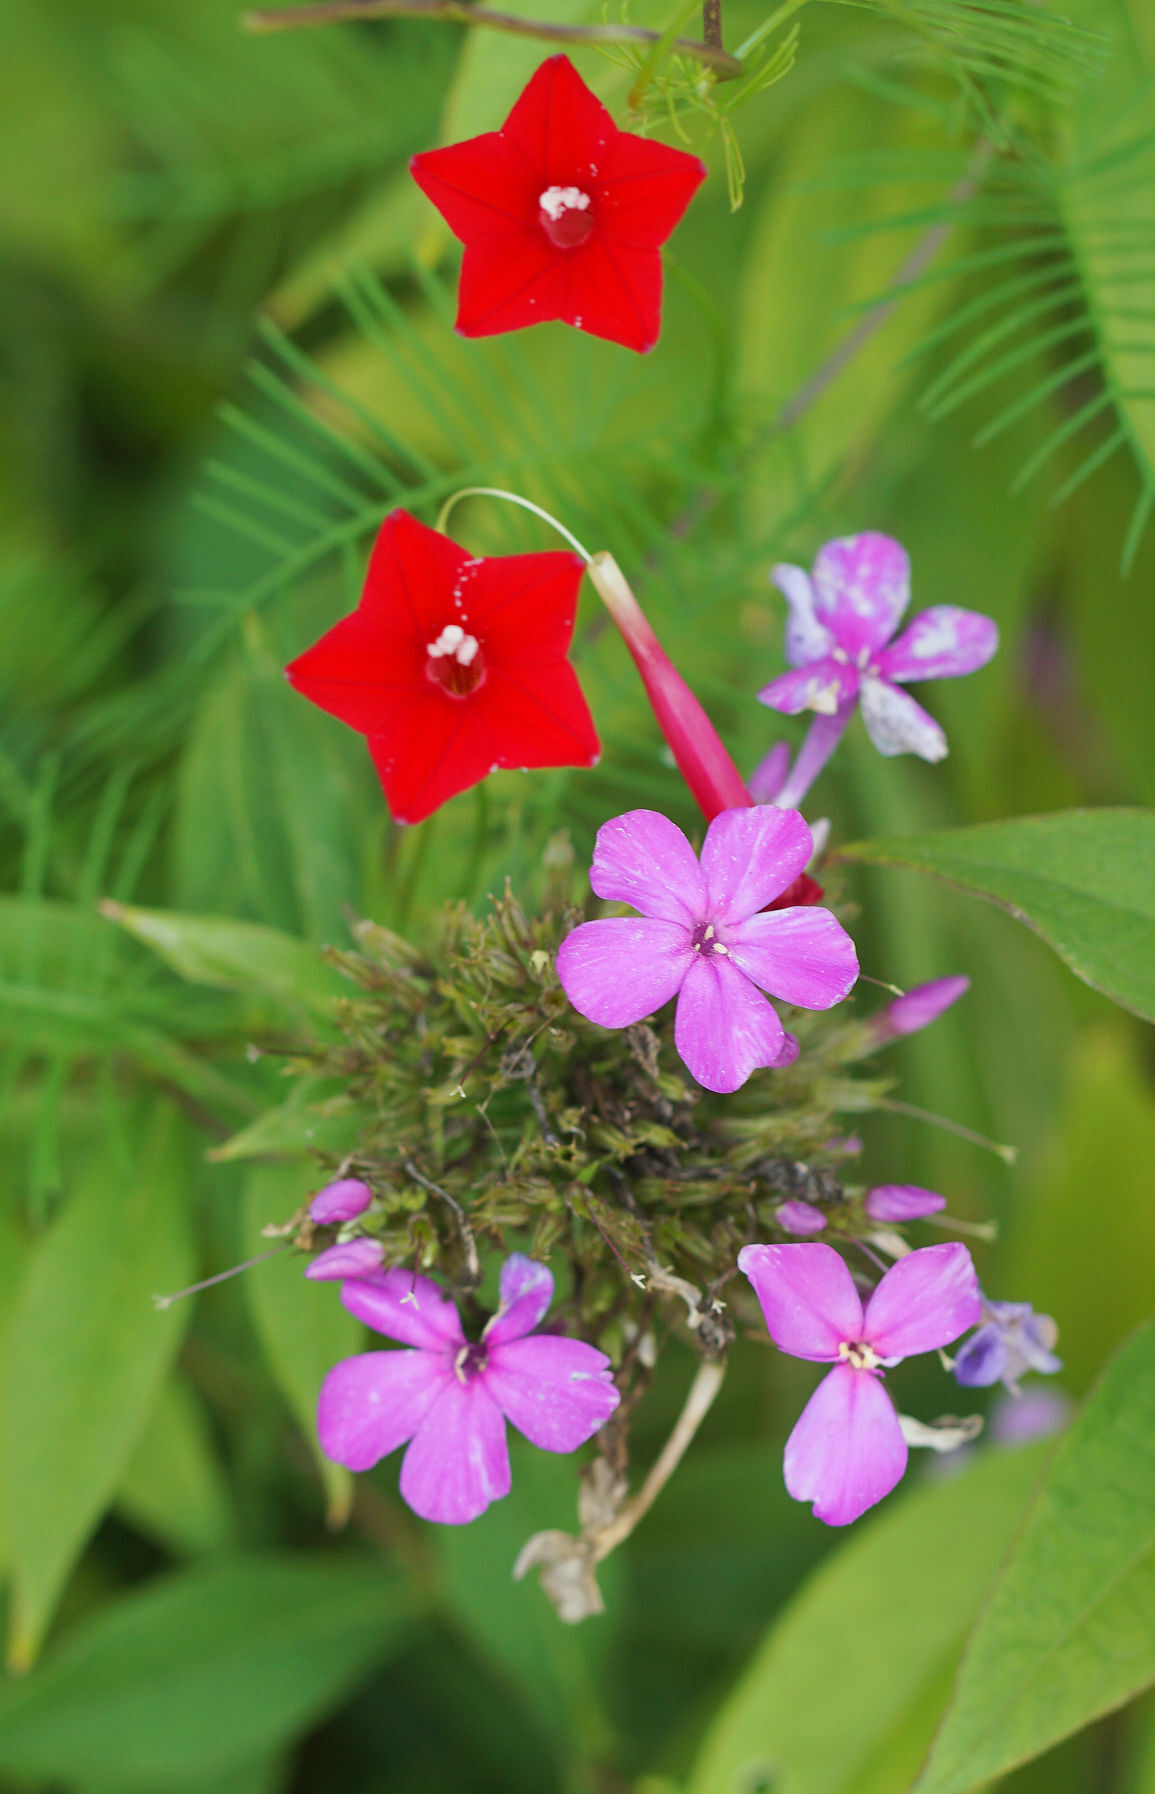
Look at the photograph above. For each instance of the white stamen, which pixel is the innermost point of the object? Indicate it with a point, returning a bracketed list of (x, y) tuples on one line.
[(454, 644), (556, 200)]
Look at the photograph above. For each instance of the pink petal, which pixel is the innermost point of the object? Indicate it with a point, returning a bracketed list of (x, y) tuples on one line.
[(799, 955), (806, 638), (751, 855), (769, 776), (861, 588), (371, 1404), (925, 1300), (897, 725), (800, 1217), (404, 1306), (919, 1007), (459, 1462), (901, 1202), (343, 1200), (723, 1029), (556, 1391), (941, 643), (847, 1450), (356, 1258), (787, 1053), (526, 1293), (643, 858), (821, 685), (808, 1298), (618, 970)]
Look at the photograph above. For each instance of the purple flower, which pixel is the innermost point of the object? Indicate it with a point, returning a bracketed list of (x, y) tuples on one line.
[(841, 619), (847, 1450), (353, 1258), (1012, 1340), (704, 936), (901, 1202), (797, 1216), (918, 1008), (340, 1201), (450, 1398)]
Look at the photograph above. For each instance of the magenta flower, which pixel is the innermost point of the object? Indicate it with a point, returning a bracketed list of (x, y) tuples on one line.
[(847, 1450), (902, 1202), (797, 1216), (449, 1398), (350, 1258), (343, 1200), (841, 619), (919, 1007), (704, 936)]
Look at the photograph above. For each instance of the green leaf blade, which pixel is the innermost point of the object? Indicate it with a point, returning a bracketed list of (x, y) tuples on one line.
[(1082, 879), (1070, 1631)]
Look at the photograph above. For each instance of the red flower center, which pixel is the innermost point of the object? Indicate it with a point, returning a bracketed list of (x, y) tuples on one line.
[(455, 662), (566, 216)]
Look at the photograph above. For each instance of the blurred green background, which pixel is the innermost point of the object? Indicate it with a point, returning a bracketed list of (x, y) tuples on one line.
[(225, 350)]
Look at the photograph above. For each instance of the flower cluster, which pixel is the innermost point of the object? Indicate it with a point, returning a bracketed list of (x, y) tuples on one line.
[(519, 1083)]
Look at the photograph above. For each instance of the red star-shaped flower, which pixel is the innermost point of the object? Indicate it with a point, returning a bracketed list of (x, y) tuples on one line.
[(561, 214), (454, 666)]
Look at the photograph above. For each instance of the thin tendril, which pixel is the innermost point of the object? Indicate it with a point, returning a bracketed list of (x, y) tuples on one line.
[(162, 1302), (526, 504), (1007, 1153)]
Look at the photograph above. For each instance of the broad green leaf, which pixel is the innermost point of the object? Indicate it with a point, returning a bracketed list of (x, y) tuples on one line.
[(302, 1325), (14, 1249), (1083, 879), (202, 1671), (1069, 1632), (552, 1666), (87, 1355), (1083, 1243), (242, 956), (858, 1656), (298, 1126), (173, 1487)]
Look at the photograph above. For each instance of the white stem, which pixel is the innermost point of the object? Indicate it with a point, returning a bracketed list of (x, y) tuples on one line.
[(698, 1404), (512, 498)]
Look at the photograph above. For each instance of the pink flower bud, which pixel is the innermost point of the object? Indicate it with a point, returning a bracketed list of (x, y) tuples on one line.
[(356, 1258), (340, 1201), (919, 1007), (902, 1202), (801, 1217), (715, 782)]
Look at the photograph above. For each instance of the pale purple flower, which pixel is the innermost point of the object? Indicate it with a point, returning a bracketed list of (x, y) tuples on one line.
[(847, 1450), (1036, 1414), (901, 1202), (340, 1201), (918, 1007), (704, 935), (1012, 1340), (841, 619), (352, 1258), (797, 1216), (449, 1398)]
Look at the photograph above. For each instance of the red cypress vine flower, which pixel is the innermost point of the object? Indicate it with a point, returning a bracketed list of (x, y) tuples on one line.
[(561, 214), (453, 666)]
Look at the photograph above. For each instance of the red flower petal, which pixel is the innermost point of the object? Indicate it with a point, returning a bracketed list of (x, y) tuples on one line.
[(561, 129), (593, 261), (646, 188), (372, 669)]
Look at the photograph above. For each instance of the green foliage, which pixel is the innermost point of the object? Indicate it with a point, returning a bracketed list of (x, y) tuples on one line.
[(86, 1358), (1082, 879), (203, 1671), (1067, 1632), (878, 1630)]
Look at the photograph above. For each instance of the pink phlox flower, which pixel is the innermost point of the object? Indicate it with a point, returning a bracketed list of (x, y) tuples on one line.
[(349, 1258), (449, 1398), (797, 1216), (842, 618), (918, 1007), (341, 1201), (902, 1202), (704, 935), (847, 1450)]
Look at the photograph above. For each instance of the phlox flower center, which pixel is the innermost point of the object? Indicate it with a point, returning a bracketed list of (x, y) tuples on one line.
[(455, 662), (858, 1355), (470, 1361), (705, 941), (565, 216)]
